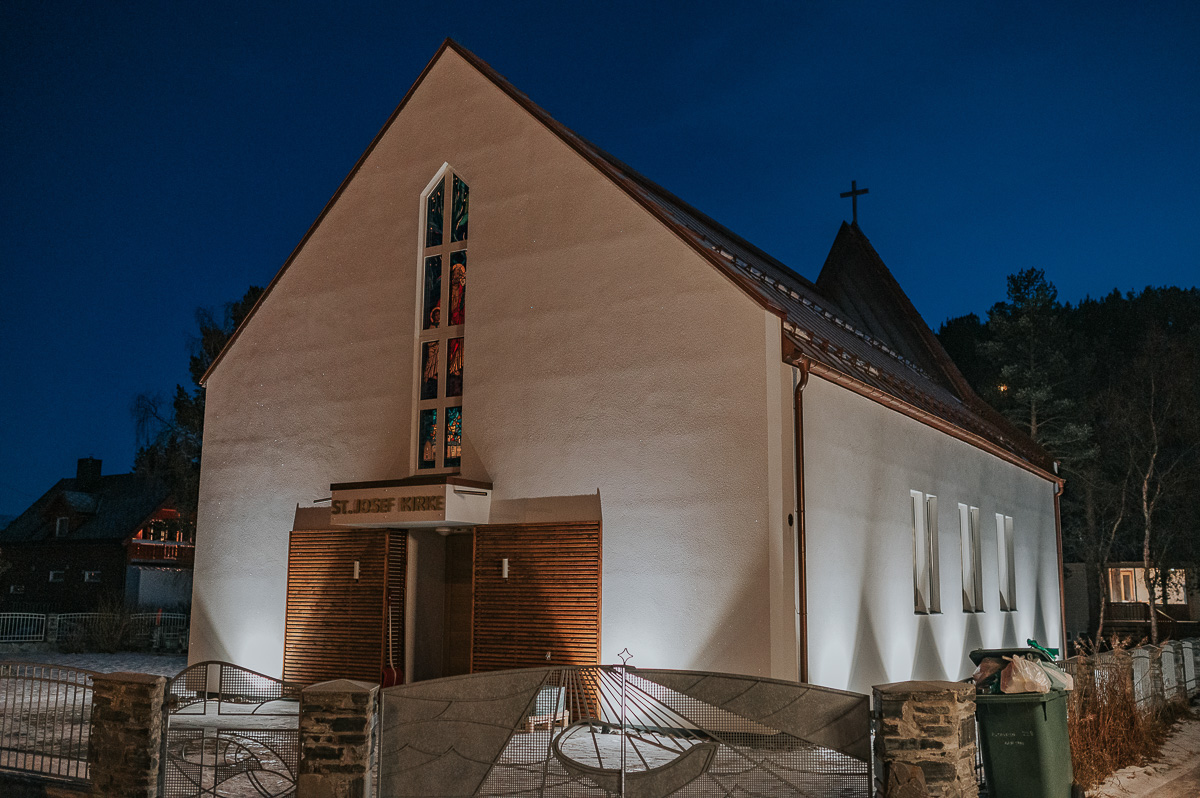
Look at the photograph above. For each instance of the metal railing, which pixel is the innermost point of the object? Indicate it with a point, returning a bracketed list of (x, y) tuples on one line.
[(45, 713), (156, 629), (169, 553), (22, 627)]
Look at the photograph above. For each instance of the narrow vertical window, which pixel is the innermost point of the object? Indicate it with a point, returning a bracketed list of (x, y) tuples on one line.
[(1007, 571), (458, 287), (458, 232), (429, 370), (433, 216), (432, 303), (427, 456), (442, 302), (454, 374), (972, 565), (453, 436), (926, 582)]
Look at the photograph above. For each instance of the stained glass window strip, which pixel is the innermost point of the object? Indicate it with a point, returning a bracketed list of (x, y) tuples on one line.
[(458, 229), (453, 437), (442, 305), (433, 215), (429, 369), (454, 367), (458, 287), (427, 450), (433, 293)]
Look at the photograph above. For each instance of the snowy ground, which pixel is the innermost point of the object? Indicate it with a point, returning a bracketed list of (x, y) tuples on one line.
[(131, 661), (1175, 775)]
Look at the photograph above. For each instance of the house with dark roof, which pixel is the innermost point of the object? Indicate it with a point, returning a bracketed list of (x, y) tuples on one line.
[(97, 539), (636, 431)]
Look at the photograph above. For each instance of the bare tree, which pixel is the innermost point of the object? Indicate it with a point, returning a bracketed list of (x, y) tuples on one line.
[(1152, 408)]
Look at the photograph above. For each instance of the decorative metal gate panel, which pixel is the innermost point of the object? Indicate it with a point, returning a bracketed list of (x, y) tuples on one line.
[(229, 732), (45, 716), (602, 731)]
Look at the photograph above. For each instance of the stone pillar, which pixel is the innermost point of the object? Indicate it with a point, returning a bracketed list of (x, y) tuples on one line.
[(1181, 691), (126, 734), (927, 727), (1158, 695), (51, 628), (337, 739)]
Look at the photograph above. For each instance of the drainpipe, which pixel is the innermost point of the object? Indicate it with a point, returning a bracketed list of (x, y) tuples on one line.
[(801, 568), (1062, 593)]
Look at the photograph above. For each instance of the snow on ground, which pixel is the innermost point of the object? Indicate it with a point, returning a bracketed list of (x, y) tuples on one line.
[(131, 661), (1176, 773)]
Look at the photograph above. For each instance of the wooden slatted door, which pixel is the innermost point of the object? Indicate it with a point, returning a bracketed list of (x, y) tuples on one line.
[(336, 625), (550, 601)]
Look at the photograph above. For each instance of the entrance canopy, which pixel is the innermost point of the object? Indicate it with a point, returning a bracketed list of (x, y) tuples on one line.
[(412, 503)]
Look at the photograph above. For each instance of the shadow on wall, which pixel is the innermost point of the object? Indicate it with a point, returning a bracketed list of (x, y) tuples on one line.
[(1009, 638), (725, 650), (203, 628), (927, 660), (972, 639), (866, 667), (1039, 623)]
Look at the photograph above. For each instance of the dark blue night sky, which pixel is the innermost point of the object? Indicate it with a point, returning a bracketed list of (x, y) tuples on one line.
[(157, 157)]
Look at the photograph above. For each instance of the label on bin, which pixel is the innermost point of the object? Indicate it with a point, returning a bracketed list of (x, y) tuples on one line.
[(1016, 738)]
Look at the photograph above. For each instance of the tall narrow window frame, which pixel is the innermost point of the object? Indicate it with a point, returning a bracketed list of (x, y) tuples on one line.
[(440, 323), (1006, 566), (927, 599), (972, 560)]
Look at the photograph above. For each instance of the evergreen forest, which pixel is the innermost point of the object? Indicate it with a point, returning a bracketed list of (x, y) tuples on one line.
[(1110, 388)]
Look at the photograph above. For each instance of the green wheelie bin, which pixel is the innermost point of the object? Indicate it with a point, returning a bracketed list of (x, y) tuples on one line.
[(1023, 739)]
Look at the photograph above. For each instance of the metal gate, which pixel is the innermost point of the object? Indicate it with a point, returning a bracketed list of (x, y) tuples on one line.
[(229, 732), (602, 731), (45, 716)]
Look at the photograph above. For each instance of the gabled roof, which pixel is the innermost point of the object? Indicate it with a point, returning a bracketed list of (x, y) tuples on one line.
[(114, 510), (855, 326), (855, 279)]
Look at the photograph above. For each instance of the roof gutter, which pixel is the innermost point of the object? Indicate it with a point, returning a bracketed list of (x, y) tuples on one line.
[(801, 541)]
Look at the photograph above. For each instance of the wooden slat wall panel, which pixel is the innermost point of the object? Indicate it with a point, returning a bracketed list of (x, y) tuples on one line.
[(550, 601), (334, 627)]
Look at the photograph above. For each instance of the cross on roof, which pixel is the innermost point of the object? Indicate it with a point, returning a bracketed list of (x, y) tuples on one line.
[(853, 195)]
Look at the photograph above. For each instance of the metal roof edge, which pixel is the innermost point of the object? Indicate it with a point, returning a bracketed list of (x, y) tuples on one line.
[(882, 397)]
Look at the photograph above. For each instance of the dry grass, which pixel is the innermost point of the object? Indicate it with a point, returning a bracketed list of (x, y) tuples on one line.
[(1107, 729)]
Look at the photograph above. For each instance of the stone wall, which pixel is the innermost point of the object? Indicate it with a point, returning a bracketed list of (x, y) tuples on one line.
[(337, 735), (925, 739), (126, 734)]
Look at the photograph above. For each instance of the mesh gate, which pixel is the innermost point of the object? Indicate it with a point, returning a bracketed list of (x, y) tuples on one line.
[(229, 732), (610, 731)]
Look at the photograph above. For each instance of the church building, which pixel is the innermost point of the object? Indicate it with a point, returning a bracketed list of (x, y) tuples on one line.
[(636, 430)]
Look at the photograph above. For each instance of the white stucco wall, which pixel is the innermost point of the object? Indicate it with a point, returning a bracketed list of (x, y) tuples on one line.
[(603, 358), (861, 461)]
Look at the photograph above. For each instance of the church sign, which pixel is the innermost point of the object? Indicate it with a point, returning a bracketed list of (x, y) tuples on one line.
[(400, 504)]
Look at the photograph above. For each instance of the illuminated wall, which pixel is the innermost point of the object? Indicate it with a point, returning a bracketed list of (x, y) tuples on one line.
[(861, 462), (610, 374)]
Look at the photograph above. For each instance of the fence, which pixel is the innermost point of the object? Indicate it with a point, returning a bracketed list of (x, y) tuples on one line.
[(140, 630), (45, 713), (604, 730), (22, 627)]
